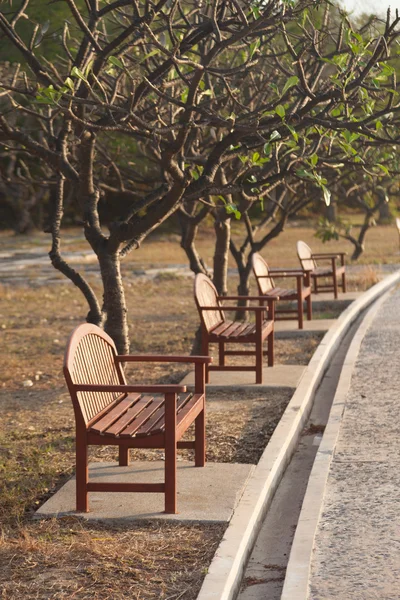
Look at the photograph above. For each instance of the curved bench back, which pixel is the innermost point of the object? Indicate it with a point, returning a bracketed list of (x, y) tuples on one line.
[(90, 359), (305, 256), (265, 283), (205, 294)]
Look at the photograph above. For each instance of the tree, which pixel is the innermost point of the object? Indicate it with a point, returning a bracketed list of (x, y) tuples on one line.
[(214, 103)]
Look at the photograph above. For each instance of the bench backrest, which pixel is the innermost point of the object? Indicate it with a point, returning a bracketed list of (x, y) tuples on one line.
[(205, 294), (265, 283), (90, 359), (304, 253)]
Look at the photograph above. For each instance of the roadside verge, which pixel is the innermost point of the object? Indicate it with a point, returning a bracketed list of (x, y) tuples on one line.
[(224, 576)]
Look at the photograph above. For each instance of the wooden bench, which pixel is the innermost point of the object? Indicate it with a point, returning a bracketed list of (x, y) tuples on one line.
[(108, 412), (334, 271), (215, 328), (266, 287)]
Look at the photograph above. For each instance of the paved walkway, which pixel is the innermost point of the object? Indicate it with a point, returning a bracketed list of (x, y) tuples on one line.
[(357, 546)]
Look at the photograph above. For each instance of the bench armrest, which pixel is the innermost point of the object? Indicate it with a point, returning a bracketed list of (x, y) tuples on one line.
[(240, 308), (266, 297), (329, 255), (162, 358), (286, 273), (126, 389)]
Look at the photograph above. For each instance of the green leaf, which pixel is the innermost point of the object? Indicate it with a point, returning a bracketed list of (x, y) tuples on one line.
[(314, 159), (275, 135), (114, 60), (280, 111), (293, 132), (253, 48), (267, 148), (255, 157), (378, 125), (294, 80), (89, 67), (78, 73), (149, 55), (383, 168), (327, 195), (69, 83)]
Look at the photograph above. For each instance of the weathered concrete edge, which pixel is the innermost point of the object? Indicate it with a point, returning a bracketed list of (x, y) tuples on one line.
[(296, 585), (224, 576)]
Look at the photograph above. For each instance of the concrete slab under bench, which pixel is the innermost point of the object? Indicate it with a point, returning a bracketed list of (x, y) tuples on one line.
[(279, 376), (201, 497)]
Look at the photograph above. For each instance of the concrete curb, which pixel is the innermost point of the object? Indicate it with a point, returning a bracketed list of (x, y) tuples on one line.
[(224, 576), (296, 585)]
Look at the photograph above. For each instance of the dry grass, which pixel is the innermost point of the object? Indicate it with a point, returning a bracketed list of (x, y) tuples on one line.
[(67, 559), (365, 278)]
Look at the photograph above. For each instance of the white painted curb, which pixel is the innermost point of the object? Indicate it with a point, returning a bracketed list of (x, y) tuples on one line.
[(296, 585), (225, 574)]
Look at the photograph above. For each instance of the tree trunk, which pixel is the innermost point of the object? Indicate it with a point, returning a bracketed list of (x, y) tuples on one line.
[(331, 212), (384, 213), (114, 307), (358, 250), (222, 226), (189, 229)]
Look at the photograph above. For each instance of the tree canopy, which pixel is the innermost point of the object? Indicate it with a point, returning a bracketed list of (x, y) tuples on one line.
[(168, 104)]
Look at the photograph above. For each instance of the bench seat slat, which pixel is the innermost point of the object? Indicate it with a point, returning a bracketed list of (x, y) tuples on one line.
[(321, 271), (232, 330), (189, 408), (188, 405), (153, 405), (221, 328), (129, 416), (157, 422), (239, 331), (115, 413), (285, 292)]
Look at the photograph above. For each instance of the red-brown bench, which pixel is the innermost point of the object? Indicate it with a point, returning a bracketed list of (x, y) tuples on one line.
[(266, 287), (333, 272), (108, 412), (215, 328)]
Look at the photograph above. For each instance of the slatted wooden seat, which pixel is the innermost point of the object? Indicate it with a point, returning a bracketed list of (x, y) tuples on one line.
[(110, 412), (333, 272), (217, 329), (266, 287)]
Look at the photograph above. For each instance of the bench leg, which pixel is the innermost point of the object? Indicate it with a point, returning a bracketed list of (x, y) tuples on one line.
[(335, 285), (270, 342), (82, 475), (259, 348), (200, 440), (170, 454), (123, 456), (221, 353), (315, 285), (205, 350), (309, 307), (300, 310), (344, 282)]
